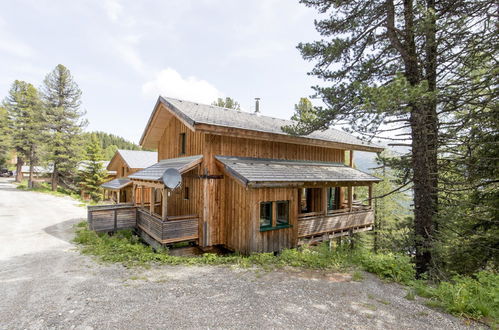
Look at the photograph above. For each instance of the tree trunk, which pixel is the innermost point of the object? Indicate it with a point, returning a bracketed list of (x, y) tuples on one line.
[(424, 207), (55, 178), (19, 168), (31, 161)]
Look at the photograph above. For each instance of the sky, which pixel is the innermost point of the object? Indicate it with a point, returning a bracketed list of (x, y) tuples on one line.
[(124, 54)]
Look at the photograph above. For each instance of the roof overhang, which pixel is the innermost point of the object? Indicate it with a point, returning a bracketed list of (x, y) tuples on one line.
[(164, 111), (275, 173), (116, 184), (155, 172)]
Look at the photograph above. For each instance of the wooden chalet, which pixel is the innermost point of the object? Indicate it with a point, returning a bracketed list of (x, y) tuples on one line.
[(246, 184), (124, 163)]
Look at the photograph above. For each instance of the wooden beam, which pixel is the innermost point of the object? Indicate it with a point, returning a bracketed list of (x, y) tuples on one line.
[(143, 195), (350, 198), (324, 200), (151, 200), (370, 195), (164, 204)]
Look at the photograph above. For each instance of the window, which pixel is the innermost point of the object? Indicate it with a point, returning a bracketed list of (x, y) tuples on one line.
[(266, 215), (186, 192), (182, 143), (274, 215), (333, 198), (282, 213)]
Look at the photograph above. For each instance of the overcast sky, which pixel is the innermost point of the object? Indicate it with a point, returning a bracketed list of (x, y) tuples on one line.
[(123, 54)]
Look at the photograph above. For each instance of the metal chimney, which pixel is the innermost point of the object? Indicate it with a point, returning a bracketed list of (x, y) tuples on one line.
[(257, 105)]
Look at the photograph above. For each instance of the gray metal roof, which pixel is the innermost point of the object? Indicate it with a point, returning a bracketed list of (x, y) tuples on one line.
[(194, 113), (139, 158), (155, 172), (116, 184), (261, 172)]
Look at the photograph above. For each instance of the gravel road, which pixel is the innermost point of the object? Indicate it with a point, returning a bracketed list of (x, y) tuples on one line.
[(46, 284)]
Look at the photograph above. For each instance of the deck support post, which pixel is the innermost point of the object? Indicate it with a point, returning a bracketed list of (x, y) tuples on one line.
[(350, 198), (164, 204), (133, 194), (118, 194), (143, 196), (324, 200), (151, 200), (370, 195)]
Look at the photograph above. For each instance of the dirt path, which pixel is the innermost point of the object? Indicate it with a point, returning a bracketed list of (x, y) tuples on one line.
[(45, 283)]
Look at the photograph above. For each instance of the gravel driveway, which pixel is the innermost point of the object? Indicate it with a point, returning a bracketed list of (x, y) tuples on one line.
[(46, 283)]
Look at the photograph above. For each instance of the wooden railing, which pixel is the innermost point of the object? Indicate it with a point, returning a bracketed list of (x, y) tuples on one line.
[(106, 218), (174, 229), (315, 224)]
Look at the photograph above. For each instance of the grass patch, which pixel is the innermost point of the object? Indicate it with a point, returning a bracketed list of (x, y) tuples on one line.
[(357, 276), (475, 297)]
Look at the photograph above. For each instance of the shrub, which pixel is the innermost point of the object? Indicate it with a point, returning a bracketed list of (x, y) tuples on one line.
[(473, 297), (394, 267)]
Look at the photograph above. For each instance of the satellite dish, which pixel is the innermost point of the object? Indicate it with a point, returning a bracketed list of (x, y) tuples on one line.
[(172, 178)]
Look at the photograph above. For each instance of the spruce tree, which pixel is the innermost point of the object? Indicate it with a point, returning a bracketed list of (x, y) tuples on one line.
[(27, 125), (228, 103), (93, 173), (62, 98), (5, 143)]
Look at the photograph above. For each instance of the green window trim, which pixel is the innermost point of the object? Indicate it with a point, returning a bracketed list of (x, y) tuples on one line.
[(275, 228)]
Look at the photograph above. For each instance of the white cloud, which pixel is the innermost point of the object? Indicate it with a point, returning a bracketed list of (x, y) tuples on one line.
[(169, 82), (113, 9), (127, 48)]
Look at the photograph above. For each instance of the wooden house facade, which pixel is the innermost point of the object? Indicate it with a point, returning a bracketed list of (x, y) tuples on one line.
[(246, 184), (125, 162)]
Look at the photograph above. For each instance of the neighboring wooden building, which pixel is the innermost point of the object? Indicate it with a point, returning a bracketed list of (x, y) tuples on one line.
[(246, 184), (124, 163)]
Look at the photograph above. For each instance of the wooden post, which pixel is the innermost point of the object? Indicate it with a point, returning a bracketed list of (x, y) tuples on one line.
[(118, 193), (133, 194), (164, 204), (143, 196), (151, 200), (350, 198), (351, 158), (370, 195), (324, 200)]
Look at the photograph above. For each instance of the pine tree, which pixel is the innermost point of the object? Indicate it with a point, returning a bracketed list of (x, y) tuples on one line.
[(62, 98), (228, 103), (94, 173), (304, 115), (389, 68), (27, 125), (5, 143)]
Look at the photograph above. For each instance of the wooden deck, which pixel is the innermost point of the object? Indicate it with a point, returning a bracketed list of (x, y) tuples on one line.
[(335, 223), (109, 218)]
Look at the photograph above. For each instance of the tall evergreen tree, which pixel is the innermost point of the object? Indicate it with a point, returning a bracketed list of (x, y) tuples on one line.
[(5, 143), (27, 125), (62, 98), (228, 103), (93, 173), (389, 68)]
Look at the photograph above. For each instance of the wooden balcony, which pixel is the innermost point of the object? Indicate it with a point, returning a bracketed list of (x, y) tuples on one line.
[(110, 218), (315, 224), (172, 230)]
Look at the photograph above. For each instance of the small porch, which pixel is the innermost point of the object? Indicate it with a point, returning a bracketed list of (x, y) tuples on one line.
[(151, 211)]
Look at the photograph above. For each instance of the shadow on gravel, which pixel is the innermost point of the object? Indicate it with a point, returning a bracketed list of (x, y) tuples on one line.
[(63, 230)]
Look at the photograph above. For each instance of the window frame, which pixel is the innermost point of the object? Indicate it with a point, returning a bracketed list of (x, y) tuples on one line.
[(183, 139), (273, 215)]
